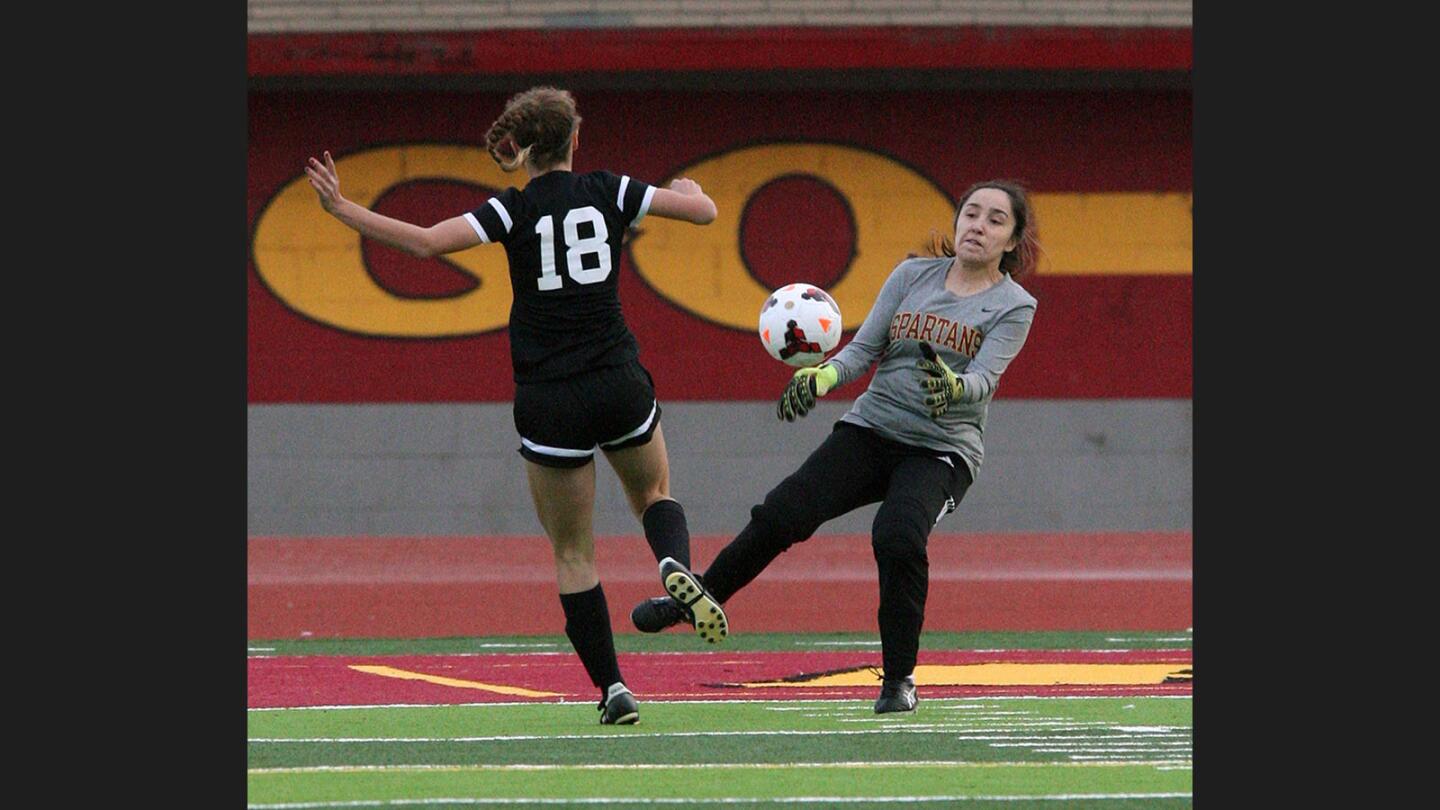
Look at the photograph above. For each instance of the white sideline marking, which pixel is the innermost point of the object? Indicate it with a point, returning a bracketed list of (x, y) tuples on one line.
[(1104, 743), (650, 766), (776, 800), (1118, 749), (624, 737), (1055, 737), (1129, 760), (1181, 638), (838, 643), (259, 649)]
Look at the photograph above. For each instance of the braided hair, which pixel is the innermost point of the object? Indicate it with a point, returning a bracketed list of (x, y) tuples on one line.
[(535, 127)]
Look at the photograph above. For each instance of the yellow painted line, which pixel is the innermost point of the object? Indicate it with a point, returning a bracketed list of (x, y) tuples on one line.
[(1009, 675), (391, 672)]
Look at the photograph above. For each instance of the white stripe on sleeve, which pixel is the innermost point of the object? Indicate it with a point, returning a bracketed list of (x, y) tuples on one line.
[(504, 215), (644, 206), (475, 223), (620, 198)]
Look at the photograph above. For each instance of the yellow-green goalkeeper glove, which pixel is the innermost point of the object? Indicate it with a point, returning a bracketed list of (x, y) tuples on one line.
[(943, 385), (803, 388)]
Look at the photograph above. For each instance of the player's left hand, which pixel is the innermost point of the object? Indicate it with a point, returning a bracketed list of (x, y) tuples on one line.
[(944, 387), (684, 185)]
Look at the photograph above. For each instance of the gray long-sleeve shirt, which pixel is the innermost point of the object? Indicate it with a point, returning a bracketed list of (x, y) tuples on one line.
[(977, 336)]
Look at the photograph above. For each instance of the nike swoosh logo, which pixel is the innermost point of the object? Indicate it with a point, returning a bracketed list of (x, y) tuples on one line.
[(989, 309)]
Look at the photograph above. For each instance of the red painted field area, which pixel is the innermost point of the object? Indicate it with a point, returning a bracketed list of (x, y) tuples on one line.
[(293, 681), (487, 586)]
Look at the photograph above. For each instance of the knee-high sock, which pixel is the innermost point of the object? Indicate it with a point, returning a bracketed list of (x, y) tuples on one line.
[(666, 531), (587, 624)]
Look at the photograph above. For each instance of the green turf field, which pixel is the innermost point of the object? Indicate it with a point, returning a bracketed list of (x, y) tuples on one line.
[(1012, 751)]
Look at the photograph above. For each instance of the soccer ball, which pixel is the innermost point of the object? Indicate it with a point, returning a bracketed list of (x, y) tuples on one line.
[(800, 324)]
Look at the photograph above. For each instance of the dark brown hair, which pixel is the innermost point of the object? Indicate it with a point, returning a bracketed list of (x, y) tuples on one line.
[(1018, 262), (536, 126)]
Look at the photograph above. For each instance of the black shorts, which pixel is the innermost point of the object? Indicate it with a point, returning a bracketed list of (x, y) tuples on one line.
[(561, 422)]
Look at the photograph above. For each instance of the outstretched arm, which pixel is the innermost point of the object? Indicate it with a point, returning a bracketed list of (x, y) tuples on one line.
[(444, 237), (873, 337)]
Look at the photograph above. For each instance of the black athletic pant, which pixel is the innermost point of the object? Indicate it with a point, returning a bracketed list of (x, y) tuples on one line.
[(853, 467)]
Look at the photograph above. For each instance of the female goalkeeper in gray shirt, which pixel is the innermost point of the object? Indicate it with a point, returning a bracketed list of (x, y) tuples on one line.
[(943, 330)]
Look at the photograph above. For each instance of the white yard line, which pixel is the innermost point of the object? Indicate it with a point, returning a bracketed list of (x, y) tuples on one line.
[(1054, 737), (895, 729), (824, 800), (734, 766)]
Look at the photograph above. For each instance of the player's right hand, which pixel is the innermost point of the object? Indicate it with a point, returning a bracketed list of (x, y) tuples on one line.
[(325, 180), (802, 390)]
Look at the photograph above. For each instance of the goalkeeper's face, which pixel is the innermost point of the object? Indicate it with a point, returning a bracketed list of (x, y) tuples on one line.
[(985, 227)]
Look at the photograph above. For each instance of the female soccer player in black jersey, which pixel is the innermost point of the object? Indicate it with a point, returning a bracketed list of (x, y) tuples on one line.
[(579, 382), (943, 329)]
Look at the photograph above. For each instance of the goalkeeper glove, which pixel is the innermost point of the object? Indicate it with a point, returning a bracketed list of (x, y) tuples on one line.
[(944, 387), (803, 388)]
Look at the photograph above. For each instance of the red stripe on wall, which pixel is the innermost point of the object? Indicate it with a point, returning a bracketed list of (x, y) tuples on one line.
[(515, 52)]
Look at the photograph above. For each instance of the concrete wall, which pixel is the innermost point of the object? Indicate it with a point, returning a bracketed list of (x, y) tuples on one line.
[(447, 469), (293, 16)]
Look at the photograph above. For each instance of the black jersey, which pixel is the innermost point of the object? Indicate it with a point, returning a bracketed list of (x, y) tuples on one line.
[(562, 236)]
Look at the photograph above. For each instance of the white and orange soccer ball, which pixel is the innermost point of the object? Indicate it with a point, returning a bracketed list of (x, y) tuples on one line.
[(800, 324)]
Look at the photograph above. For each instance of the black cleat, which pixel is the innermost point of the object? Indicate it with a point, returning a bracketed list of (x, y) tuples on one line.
[(654, 615), (619, 707), (700, 607), (897, 695)]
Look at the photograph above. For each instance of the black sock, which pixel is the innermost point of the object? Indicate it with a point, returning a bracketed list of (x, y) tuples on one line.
[(587, 624), (666, 532)]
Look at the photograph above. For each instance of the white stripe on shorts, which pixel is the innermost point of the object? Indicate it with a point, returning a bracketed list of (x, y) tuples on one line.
[(637, 431), (556, 451)]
